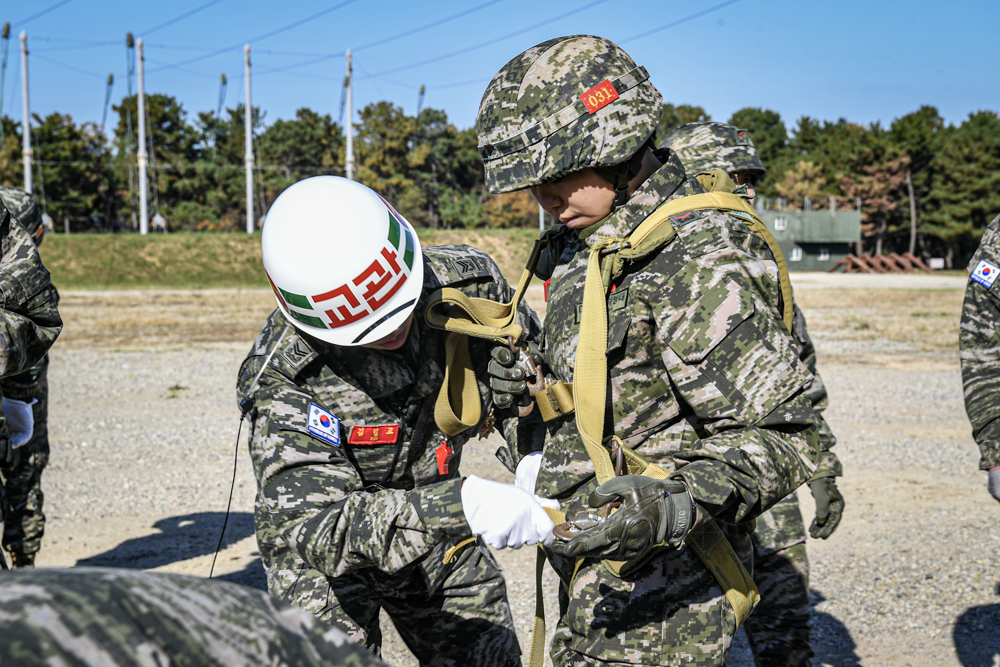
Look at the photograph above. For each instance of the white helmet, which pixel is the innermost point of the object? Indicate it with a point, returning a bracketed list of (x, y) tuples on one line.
[(344, 265)]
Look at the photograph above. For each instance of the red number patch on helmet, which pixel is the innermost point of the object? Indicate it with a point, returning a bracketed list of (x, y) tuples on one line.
[(599, 96)]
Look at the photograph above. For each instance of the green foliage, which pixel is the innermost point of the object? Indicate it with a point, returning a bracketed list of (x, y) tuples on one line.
[(431, 171), (966, 194)]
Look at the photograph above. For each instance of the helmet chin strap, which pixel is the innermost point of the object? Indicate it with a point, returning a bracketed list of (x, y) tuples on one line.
[(619, 175)]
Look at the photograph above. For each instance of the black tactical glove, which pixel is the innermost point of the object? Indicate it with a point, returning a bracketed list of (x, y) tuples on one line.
[(509, 373), (829, 507), (652, 511)]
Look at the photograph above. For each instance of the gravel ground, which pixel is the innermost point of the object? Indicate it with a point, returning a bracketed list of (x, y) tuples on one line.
[(142, 457)]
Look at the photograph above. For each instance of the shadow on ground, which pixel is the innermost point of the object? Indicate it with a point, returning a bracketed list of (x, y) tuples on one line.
[(977, 635), (180, 538), (830, 639), (252, 575)]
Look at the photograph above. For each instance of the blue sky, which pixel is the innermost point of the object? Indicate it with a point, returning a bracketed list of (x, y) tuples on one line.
[(862, 60)]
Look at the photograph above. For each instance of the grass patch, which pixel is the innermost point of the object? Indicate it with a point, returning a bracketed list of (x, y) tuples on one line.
[(219, 260)]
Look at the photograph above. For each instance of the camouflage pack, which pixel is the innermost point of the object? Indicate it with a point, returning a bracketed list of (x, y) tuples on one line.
[(564, 105)]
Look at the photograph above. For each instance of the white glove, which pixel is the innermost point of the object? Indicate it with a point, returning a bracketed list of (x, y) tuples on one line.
[(527, 472), (993, 484), (503, 514), (526, 475), (20, 420)]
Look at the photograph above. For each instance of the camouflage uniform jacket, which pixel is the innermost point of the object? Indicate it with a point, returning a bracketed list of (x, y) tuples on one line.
[(979, 346), (361, 504), (30, 321), (703, 377)]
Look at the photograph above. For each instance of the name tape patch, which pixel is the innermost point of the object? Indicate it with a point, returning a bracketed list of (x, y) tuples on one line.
[(324, 425), (599, 96), (985, 274), (383, 434)]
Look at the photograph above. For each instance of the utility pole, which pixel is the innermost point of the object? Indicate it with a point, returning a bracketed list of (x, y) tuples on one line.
[(142, 158), (26, 130), (350, 119), (541, 218), (248, 152)]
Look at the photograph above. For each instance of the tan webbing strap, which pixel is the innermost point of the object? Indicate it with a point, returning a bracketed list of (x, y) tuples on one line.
[(536, 658), (458, 389), (480, 318)]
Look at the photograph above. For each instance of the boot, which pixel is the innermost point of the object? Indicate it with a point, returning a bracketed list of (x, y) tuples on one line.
[(19, 559)]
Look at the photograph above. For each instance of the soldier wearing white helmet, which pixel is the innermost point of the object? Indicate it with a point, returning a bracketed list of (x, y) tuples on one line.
[(355, 444)]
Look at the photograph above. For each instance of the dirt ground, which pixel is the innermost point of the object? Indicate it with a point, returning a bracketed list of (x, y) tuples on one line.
[(144, 424)]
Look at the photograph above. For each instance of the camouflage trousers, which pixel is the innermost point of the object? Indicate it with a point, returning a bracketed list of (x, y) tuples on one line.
[(670, 611), (778, 629), (449, 615), (24, 524)]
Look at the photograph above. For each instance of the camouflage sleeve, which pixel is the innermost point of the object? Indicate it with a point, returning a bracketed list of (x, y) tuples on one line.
[(828, 465), (979, 346), (124, 618), (316, 501), (30, 320), (733, 365)]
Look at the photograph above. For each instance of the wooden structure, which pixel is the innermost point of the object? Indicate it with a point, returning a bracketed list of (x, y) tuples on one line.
[(891, 263)]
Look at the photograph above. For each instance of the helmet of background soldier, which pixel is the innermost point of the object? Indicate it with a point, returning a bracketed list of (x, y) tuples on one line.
[(565, 105), (344, 265), (24, 207), (709, 145)]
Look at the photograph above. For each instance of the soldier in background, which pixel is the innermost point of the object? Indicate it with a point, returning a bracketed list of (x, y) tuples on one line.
[(778, 629), (979, 351), (686, 308), (25, 417), (101, 617), (29, 319)]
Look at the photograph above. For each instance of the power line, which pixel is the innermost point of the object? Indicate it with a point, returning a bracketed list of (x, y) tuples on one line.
[(43, 12), (679, 21), (406, 33), (491, 41), (181, 17), (257, 38), (69, 67)]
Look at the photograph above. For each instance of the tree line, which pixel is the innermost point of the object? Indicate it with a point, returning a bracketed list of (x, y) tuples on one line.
[(923, 185)]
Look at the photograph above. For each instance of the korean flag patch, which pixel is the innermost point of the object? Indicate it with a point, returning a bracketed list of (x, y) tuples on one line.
[(324, 425), (985, 274)]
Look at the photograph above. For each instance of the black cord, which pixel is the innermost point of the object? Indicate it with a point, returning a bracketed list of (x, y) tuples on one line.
[(236, 458)]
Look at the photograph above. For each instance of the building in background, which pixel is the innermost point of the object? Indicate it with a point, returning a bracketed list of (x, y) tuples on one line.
[(814, 240)]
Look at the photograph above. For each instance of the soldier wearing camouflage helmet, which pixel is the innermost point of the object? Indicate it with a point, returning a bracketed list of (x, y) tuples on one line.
[(102, 617), (25, 418), (778, 630), (979, 351), (690, 410), (355, 436)]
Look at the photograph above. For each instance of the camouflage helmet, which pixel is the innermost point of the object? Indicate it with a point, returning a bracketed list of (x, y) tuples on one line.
[(709, 145), (564, 105), (24, 207)]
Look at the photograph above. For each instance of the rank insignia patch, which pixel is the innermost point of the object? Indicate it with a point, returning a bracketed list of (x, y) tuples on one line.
[(324, 425), (382, 434), (985, 274)]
